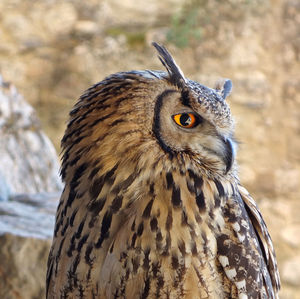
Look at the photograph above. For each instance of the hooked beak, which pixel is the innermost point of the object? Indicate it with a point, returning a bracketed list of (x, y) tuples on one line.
[(229, 154)]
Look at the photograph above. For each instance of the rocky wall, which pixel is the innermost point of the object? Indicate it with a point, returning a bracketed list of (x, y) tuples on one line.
[(53, 50)]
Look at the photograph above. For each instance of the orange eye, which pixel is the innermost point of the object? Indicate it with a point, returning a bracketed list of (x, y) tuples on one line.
[(186, 120)]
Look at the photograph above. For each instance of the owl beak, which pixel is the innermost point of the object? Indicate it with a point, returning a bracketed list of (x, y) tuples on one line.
[(229, 153)]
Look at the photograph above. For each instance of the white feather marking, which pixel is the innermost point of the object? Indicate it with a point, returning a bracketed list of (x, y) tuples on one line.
[(243, 296), (241, 285), (231, 273), (224, 260), (241, 237), (236, 227)]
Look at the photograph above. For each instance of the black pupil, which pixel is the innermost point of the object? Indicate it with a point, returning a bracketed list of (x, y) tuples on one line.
[(185, 119)]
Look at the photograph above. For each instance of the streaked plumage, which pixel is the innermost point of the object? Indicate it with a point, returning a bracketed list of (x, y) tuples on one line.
[(152, 205)]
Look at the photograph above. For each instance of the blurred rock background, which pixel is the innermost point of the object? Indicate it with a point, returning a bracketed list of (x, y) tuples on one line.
[(53, 50)]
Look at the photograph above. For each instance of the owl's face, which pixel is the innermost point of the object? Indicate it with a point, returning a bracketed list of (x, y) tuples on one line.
[(195, 120)]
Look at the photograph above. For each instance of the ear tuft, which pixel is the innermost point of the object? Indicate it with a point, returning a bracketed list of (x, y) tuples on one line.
[(224, 87), (175, 73)]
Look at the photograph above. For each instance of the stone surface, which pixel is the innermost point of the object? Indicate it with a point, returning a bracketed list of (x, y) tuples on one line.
[(23, 267), (255, 43), (291, 234), (28, 159), (29, 215), (29, 165), (291, 271), (26, 228)]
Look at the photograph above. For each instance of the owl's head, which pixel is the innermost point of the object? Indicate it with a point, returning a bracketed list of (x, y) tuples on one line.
[(194, 118), (140, 116)]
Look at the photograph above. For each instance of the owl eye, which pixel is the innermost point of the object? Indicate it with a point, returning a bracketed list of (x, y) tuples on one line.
[(186, 120)]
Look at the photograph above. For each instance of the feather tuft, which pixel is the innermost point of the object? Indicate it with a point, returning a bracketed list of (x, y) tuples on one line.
[(174, 71)]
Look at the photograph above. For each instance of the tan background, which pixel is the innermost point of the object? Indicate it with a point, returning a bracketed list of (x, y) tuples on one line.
[(53, 50)]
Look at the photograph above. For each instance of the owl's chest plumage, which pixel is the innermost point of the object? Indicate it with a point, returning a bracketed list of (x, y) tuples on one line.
[(154, 236), (168, 243)]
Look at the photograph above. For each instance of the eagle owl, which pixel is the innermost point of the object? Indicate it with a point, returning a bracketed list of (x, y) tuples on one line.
[(152, 205)]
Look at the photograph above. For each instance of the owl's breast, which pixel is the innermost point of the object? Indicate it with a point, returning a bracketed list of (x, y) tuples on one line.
[(167, 248)]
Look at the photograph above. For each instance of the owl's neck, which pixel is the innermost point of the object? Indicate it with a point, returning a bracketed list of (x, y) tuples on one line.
[(163, 204), (144, 197)]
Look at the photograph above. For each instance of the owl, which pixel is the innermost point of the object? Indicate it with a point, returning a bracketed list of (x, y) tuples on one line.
[(152, 205)]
